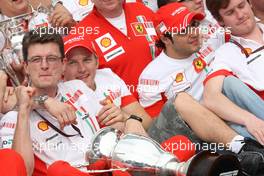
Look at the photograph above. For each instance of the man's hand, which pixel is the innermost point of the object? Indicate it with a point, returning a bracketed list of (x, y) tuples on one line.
[(255, 126), (61, 17), (24, 97), (110, 114), (135, 127), (62, 111)]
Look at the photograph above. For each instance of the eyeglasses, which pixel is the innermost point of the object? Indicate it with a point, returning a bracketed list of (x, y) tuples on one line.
[(49, 59)]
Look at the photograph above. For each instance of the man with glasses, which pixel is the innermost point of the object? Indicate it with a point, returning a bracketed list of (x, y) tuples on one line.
[(37, 131), (173, 82)]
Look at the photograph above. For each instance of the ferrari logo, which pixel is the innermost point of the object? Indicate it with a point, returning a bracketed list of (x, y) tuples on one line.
[(105, 42), (139, 28), (43, 126), (83, 2), (199, 64), (179, 77)]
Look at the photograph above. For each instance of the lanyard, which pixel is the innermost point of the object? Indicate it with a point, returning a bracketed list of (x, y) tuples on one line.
[(58, 130)]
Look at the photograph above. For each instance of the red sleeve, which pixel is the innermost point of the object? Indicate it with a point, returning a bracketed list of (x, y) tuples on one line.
[(126, 100), (155, 109), (217, 73)]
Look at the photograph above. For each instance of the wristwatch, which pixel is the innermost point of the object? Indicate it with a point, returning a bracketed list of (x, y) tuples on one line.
[(40, 100), (135, 118), (54, 2)]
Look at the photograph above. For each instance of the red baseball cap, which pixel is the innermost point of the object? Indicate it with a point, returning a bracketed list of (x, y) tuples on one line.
[(175, 16), (73, 41)]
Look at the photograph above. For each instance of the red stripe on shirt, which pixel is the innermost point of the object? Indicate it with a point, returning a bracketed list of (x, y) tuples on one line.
[(217, 73)]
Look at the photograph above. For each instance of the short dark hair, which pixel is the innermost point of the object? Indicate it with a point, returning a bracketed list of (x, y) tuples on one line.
[(159, 42), (42, 36), (215, 5)]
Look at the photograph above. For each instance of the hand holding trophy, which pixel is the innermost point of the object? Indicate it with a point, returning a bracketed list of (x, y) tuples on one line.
[(12, 31)]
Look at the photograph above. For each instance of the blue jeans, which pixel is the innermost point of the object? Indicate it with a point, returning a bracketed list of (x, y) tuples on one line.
[(240, 94)]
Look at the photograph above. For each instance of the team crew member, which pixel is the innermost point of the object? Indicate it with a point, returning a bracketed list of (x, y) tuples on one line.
[(242, 57), (37, 131), (182, 84), (82, 63), (125, 39)]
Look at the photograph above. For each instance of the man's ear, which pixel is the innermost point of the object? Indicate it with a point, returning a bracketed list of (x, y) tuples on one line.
[(25, 65), (221, 23), (64, 62), (165, 40)]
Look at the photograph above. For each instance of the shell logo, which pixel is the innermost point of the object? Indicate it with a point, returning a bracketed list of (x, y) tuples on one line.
[(179, 77), (43, 126), (83, 2), (248, 50), (105, 42)]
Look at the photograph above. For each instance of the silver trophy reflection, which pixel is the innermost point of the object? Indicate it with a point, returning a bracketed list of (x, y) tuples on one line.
[(12, 31), (140, 155)]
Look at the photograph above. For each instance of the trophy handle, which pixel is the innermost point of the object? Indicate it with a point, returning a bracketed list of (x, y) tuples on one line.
[(9, 71)]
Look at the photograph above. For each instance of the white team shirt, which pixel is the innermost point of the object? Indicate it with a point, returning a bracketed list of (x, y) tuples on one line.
[(7, 129), (48, 144), (111, 87), (119, 22), (168, 76), (213, 36), (230, 58), (78, 8)]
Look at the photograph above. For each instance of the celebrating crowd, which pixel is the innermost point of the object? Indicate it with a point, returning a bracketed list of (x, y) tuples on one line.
[(154, 68)]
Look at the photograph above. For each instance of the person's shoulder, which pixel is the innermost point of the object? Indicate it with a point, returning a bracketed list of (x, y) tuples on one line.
[(155, 67), (90, 18), (227, 48), (104, 72), (9, 117), (106, 76), (137, 6), (73, 85)]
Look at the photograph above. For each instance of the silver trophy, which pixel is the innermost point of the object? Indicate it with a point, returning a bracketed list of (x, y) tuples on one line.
[(140, 155), (12, 31)]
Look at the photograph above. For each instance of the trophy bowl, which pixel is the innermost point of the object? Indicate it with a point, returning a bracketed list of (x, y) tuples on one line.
[(2, 40), (142, 156), (102, 144)]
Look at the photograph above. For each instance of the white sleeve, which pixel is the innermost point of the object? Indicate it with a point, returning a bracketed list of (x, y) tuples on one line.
[(122, 85), (7, 129), (149, 91)]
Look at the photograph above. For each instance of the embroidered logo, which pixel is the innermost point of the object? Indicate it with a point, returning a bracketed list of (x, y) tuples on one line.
[(139, 29), (248, 50), (105, 42), (179, 77), (83, 2), (43, 126), (199, 64)]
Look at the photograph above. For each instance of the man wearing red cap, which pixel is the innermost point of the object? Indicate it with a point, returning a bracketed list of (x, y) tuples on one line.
[(178, 75), (125, 41), (117, 101)]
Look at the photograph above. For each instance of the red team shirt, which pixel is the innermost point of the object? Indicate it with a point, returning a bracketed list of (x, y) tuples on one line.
[(127, 55)]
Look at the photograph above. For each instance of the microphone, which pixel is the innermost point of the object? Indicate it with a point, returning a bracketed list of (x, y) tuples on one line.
[(180, 146)]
